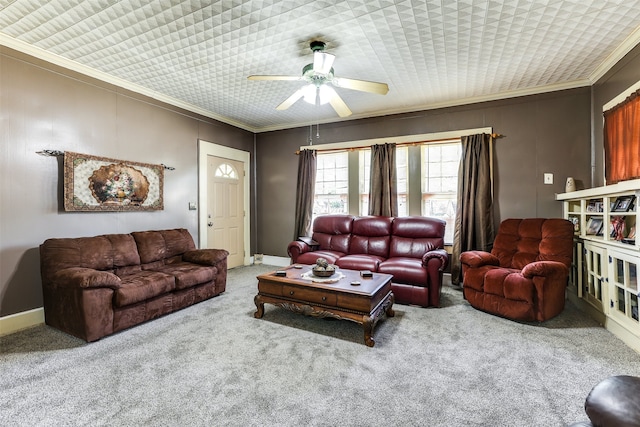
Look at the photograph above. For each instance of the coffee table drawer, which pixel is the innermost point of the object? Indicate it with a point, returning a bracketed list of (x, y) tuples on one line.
[(310, 295), (270, 288)]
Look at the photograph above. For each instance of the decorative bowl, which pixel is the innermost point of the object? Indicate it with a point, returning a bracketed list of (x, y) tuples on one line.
[(323, 272)]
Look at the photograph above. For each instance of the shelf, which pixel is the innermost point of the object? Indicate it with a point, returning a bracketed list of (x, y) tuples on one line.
[(604, 271)]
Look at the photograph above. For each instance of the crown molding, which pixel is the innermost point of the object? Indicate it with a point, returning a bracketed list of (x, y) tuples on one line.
[(618, 53), (445, 104), (13, 43), (72, 65)]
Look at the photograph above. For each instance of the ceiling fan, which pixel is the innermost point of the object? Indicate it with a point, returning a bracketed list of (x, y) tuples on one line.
[(319, 77)]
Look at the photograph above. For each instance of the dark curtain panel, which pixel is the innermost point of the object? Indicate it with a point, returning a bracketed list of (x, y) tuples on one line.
[(474, 228), (622, 140), (383, 191), (304, 192)]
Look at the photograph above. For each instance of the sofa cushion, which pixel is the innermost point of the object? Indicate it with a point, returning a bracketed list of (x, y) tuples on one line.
[(360, 262), (142, 286), (371, 236), (125, 251), (162, 245), (333, 232), (405, 270), (188, 275), (177, 241), (414, 236), (87, 252), (151, 246)]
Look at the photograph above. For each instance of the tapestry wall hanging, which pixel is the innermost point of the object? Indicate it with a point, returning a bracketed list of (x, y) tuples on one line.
[(100, 184)]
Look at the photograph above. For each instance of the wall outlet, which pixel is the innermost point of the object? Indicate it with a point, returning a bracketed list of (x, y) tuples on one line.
[(257, 258), (548, 178)]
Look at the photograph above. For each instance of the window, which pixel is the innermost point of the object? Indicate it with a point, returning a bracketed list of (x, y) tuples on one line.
[(225, 170), (440, 164), (332, 184), (364, 157), (433, 182), (402, 174)]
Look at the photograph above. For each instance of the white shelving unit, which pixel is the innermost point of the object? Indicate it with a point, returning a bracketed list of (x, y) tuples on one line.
[(604, 280)]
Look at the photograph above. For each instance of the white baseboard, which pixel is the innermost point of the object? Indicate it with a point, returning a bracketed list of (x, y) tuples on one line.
[(16, 322), (276, 261)]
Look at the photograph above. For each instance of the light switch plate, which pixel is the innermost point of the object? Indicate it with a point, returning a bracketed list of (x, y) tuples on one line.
[(548, 178), (192, 206)]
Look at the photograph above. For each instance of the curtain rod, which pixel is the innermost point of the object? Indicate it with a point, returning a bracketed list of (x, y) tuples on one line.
[(400, 144), (56, 153)]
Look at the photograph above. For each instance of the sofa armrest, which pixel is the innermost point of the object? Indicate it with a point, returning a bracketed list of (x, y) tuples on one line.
[(439, 254), (475, 259), (297, 248), (79, 277), (205, 256), (545, 269)]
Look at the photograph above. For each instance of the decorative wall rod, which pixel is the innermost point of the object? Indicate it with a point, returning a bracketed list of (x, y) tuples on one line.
[(56, 153)]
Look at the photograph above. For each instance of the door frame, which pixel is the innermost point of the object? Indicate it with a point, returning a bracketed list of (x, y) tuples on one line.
[(206, 148)]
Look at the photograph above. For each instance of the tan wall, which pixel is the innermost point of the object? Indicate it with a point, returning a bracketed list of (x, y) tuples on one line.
[(543, 133), (46, 107)]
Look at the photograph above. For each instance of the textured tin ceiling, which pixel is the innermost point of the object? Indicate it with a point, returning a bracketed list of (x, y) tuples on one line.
[(198, 54)]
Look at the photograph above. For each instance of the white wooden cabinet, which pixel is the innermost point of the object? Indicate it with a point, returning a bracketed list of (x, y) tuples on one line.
[(603, 280)]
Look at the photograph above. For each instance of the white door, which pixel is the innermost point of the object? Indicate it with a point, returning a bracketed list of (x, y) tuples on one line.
[(225, 210)]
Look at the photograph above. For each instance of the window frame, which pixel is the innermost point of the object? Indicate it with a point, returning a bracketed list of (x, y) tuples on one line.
[(414, 179)]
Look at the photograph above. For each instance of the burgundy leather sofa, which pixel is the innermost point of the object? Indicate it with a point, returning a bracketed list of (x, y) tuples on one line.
[(409, 248), (95, 286), (525, 275)]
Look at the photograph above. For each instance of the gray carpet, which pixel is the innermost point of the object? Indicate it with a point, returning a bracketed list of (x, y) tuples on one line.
[(214, 364)]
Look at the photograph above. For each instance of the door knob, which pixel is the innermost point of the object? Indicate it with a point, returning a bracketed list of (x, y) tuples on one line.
[(210, 224)]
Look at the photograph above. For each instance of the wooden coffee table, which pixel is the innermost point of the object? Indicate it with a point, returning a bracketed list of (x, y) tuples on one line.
[(364, 304)]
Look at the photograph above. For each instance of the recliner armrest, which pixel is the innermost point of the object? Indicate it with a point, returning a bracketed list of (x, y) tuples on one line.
[(545, 269), (475, 259), (80, 277), (440, 254)]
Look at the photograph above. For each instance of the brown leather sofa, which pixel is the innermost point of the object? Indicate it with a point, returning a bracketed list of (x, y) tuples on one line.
[(409, 248), (96, 286), (525, 275), (613, 402)]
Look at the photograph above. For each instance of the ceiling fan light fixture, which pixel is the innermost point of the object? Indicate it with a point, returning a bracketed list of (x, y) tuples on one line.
[(322, 62), (321, 94), (319, 77), (326, 93), (309, 94)]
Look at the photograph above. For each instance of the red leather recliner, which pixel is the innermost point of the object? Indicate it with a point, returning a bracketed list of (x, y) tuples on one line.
[(525, 275)]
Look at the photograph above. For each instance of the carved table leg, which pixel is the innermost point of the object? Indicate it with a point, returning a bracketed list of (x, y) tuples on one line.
[(260, 307), (367, 325)]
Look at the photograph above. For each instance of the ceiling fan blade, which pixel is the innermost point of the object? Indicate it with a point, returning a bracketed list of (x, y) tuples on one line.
[(290, 100), (322, 62), (361, 85), (274, 78), (338, 104)]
